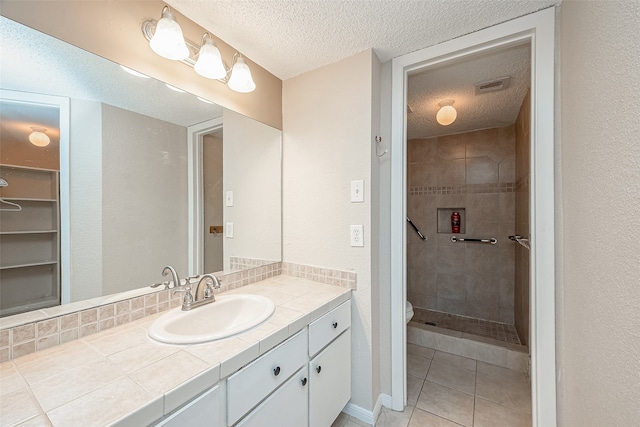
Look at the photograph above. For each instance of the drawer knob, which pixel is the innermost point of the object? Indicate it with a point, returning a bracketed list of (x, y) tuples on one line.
[(304, 382), (318, 369), (335, 325), (276, 371)]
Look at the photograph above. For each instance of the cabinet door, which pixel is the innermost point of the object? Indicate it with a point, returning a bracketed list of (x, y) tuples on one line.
[(203, 411), (330, 381), (286, 407)]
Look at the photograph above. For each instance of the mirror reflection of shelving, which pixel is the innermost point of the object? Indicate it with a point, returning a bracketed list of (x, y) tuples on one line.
[(29, 239)]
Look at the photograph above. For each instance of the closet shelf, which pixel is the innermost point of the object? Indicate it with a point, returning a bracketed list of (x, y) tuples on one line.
[(27, 199), (3, 233), (32, 264)]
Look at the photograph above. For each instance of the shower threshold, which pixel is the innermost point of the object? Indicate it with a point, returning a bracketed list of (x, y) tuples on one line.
[(476, 329)]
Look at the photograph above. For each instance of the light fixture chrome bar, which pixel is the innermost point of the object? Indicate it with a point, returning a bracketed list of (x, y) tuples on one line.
[(148, 28), (492, 240)]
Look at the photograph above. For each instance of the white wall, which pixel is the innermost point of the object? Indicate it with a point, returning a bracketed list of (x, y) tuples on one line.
[(598, 320), (85, 198), (144, 199), (327, 142), (252, 170)]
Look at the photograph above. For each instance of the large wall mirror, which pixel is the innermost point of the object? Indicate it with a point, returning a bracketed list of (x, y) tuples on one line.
[(136, 176)]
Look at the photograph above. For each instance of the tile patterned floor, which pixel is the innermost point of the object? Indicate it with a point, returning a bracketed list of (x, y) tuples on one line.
[(446, 390), (485, 328)]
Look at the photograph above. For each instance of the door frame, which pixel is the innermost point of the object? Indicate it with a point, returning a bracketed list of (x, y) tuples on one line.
[(195, 190), (538, 29)]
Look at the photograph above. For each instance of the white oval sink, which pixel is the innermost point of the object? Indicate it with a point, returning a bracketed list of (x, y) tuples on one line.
[(227, 316)]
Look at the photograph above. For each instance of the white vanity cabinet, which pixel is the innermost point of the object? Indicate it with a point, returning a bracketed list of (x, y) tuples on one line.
[(286, 407), (203, 411), (330, 369)]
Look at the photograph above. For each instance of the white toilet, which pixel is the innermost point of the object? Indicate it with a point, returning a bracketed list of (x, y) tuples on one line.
[(408, 311)]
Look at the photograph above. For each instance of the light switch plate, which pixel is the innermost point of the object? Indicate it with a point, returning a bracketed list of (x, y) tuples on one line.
[(357, 191), (357, 235), (229, 198), (229, 230)]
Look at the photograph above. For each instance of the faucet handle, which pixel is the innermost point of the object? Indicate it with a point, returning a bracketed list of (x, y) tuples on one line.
[(188, 298)]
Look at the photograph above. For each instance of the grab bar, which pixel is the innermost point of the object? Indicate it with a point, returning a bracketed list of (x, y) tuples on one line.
[(422, 236), (521, 240), (492, 240)]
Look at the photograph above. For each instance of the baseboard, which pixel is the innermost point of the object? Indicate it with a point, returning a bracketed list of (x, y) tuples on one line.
[(364, 415)]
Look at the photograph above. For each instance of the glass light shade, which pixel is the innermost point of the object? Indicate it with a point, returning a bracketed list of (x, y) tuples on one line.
[(168, 41), (446, 115), (209, 63), (39, 138), (241, 80)]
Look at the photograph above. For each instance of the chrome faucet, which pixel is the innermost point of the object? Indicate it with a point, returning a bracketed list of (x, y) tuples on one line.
[(210, 281), (176, 280)]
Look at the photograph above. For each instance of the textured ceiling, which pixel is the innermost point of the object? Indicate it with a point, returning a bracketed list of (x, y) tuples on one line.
[(456, 81), (290, 37)]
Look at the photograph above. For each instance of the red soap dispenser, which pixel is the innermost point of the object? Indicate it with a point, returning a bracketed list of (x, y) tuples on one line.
[(455, 222)]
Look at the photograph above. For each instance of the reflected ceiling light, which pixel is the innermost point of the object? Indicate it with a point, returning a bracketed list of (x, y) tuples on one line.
[(134, 72), (209, 63), (165, 38), (446, 114), (205, 100), (241, 80), (38, 137), (167, 41), (173, 88)]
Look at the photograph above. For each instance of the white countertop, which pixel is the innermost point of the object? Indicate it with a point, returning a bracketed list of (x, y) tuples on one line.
[(121, 376)]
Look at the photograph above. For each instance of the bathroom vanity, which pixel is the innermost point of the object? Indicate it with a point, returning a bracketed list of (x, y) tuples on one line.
[(292, 370)]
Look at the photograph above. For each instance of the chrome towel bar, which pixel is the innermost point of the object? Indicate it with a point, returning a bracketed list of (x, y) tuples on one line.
[(492, 240), (521, 240)]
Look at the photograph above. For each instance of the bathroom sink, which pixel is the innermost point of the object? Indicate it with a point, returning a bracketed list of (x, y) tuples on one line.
[(227, 316)]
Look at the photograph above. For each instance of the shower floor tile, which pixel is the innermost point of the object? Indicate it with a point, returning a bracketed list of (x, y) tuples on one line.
[(484, 328)]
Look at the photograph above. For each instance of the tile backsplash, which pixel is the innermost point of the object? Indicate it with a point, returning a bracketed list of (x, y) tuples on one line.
[(30, 332)]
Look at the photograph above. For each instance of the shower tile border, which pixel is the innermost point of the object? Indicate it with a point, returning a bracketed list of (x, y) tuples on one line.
[(464, 189)]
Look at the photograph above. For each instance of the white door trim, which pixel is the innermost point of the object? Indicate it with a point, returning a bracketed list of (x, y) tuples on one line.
[(195, 190), (539, 29)]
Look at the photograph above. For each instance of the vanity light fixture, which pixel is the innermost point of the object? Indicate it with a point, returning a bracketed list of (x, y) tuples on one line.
[(446, 114), (241, 80), (166, 39), (209, 63), (38, 137)]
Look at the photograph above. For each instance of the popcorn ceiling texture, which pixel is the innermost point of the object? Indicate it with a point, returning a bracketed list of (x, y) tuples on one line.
[(291, 37)]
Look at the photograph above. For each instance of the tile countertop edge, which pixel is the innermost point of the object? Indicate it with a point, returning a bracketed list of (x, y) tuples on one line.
[(167, 402)]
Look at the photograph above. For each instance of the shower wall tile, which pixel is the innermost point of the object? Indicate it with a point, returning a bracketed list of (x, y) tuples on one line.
[(480, 170), (475, 171)]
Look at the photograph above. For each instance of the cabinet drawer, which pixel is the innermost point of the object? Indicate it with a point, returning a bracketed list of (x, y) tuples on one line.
[(253, 383), (286, 407), (328, 327), (201, 411)]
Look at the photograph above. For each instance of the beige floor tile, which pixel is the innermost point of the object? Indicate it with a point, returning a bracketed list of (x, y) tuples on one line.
[(414, 387), (417, 366), (447, 403), (391, 418), (167, 373), (499, 371), (422, 418), (421, 351), (455, 360), (102, 406), (490, 414), (451, 376), (513, 392), (71, 384), (341, 420)]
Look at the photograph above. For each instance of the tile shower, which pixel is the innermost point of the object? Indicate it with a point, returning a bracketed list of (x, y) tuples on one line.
[(477, 173)]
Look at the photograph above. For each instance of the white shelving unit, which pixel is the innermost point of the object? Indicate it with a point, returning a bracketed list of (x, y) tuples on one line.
[(29, 240)]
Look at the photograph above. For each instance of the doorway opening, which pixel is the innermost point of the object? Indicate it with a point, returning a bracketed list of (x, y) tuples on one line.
[(538, 30)]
